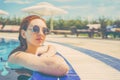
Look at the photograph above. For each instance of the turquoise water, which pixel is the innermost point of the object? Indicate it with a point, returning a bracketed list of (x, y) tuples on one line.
[(6, 46)]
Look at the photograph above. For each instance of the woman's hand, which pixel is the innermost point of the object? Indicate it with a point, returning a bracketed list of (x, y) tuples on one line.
[(46, 51), (42, 49), (50, 52)]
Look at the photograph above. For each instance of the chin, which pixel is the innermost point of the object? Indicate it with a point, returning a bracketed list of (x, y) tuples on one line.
[(39, 44)]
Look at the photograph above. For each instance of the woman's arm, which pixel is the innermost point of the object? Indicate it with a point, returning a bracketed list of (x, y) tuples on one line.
[(55, 66)]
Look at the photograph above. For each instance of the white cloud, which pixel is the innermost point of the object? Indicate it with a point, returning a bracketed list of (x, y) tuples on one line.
[(18, 1), (75, 7)]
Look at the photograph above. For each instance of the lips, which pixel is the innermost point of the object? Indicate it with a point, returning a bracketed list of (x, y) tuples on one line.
[(39, 39)]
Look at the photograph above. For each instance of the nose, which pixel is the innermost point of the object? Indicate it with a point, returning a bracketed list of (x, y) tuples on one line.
[(40, 32)]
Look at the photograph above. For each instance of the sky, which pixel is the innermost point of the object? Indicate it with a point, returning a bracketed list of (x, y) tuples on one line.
[(89, 9)]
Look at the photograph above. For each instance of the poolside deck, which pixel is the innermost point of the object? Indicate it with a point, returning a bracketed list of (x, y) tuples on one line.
[(88, 66)]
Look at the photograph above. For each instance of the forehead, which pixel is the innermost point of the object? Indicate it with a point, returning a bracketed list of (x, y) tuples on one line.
[(38, 22)]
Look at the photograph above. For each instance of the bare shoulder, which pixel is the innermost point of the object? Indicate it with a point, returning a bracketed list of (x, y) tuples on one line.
[(15, 56), (26, 60)]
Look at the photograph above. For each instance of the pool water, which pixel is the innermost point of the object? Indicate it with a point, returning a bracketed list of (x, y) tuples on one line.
[(6, 46)]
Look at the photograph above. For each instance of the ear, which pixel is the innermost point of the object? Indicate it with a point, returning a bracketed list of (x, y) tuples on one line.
[(23, 34)]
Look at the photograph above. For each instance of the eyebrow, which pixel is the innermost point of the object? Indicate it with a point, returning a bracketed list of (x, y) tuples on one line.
[(31, 26)]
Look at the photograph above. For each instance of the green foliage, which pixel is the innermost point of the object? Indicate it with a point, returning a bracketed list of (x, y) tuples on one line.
[(117, 23), (66, 24), (10, 21)]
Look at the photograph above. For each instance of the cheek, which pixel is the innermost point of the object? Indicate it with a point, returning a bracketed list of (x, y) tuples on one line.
[(43, 37), (28, 36)]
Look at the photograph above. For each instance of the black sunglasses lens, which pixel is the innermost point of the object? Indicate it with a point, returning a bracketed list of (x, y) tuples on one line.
[(36, 29), (45, 31)]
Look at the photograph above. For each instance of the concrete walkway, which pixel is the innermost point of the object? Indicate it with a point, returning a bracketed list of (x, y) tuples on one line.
[(87, 67), (109, 47)]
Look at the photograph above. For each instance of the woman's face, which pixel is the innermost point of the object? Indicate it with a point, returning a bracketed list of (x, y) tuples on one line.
[(35, 34)]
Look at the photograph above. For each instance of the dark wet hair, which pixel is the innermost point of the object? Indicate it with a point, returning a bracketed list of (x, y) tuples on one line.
[(24, 25)]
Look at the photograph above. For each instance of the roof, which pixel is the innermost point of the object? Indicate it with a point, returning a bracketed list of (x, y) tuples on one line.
[(95, 26), (12, 28)]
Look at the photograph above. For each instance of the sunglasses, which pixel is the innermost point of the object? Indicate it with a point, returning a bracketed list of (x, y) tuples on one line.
[(36, 29)]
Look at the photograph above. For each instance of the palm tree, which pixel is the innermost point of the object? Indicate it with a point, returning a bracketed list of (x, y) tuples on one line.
[(103, 23)]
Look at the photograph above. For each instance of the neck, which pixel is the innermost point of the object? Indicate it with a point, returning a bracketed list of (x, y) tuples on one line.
[(31, 49)]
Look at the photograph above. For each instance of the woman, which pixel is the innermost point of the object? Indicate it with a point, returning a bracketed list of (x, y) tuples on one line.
[(32, 54)]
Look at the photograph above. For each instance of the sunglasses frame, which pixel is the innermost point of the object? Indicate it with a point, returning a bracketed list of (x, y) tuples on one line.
[(36, 29)]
